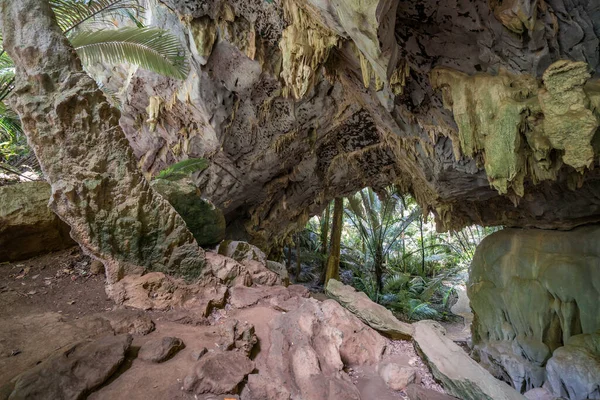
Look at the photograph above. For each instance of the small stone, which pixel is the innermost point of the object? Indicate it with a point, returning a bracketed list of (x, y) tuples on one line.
[(197, 354), (97, 267), (396, 376), (160, 350)]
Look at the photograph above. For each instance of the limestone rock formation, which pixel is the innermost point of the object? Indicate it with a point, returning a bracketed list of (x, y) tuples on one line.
[(75, 372), (27, 226), (309, 347), (416, 392), (486, 111), (533, 293), (203, 219), (372, 314), (460, 375), (96, 186)]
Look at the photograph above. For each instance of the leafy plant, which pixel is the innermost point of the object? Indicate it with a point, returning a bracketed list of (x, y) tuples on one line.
[(183, 168)]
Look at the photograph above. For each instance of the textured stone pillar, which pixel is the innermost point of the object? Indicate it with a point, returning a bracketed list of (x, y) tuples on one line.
[(96, 187)]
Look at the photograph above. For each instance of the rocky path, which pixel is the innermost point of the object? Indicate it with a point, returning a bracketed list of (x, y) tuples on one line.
[(262, 342)]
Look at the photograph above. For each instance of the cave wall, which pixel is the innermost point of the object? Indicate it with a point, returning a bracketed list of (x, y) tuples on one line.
[(535, 296), (459, 103)]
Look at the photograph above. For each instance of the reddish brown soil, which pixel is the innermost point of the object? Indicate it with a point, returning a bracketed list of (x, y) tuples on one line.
[(59, 282)]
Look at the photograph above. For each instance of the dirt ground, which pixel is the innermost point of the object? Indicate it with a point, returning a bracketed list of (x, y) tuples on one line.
[(49, 302)]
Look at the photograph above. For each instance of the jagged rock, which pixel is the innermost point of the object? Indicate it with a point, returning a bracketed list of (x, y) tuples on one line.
[(416, 392), (260, 274), (204, 220), (309, 347), (27, 226), (552, 272), (134, 322), (75, 133), (234, 335), (396, 376), (218, 372), (460, 375), (280, 270), (573, 372), (227, 270), (242, 297), (159, 350), (283, 139), (75, 372), (242, 251), (374, 315)]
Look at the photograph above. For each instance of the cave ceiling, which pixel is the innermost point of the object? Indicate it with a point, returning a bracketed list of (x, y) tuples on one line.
[(487, 112)]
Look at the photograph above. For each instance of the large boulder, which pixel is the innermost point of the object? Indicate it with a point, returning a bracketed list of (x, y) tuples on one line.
[(573, 372), (203, 219), (533, 291), (460, 375), (218, 372), (373, 314), (242, 251), (27, 226), (75, 372)]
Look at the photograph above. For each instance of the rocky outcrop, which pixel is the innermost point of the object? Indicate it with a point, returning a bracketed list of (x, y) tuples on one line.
[(298, 102), (535, 296), (372, 314), (309, 347), (97, 188), (27, 226), (75, 372), (203, 219), (459, 374), (218, 373)]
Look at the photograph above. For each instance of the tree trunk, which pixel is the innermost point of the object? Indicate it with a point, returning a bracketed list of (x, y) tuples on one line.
[(422, 246), (298, 262), (325, 234), (333, 262), (96, 186), (378, 261)]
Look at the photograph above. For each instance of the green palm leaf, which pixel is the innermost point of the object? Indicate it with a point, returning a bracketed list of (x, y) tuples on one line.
[(150, 48), (71, 14), (183, 168)]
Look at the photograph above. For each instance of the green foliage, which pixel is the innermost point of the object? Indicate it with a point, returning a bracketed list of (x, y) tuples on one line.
[(73, 14), (183, 169), (150, 48)]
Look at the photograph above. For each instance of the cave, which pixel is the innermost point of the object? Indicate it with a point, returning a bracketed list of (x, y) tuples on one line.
[(177, 151)]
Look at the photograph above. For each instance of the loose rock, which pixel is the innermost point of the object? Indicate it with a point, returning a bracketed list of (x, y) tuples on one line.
[(160, 350)]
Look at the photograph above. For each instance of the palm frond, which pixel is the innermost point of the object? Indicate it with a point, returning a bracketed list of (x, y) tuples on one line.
[(183, 168), (150, 48), (71, 14)]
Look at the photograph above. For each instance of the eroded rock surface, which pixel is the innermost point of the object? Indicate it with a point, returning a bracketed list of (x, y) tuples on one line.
[(533, 292), (75, 372), (218, 372), (460, 375), (27, 226), (97, 187), (486, 111), (373, 314)]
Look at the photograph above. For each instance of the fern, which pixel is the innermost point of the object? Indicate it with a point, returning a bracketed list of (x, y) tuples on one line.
[(183, 168), (150, 48), (395, 283), (71, 14)]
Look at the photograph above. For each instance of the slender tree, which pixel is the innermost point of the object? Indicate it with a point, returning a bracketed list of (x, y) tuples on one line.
[(333, 262)]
